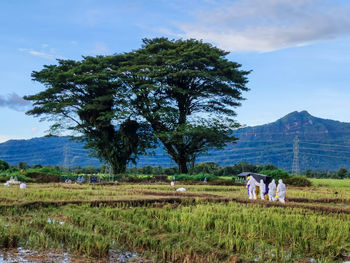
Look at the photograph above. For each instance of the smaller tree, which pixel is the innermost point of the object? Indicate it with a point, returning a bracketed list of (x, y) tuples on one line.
[(23, 165), (342, 172), (207, 167), (4, 165)]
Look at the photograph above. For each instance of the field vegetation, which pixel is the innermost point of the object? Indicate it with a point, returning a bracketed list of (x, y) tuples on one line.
[(208, 223)]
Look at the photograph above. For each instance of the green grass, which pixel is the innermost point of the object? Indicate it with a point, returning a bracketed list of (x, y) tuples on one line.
[(331, 182), (194, 230)]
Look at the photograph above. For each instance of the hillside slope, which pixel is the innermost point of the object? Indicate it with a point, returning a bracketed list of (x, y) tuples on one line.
[(323, 144)]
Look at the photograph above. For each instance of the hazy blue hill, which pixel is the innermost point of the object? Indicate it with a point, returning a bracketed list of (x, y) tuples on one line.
[(323, 144), (46, 151)]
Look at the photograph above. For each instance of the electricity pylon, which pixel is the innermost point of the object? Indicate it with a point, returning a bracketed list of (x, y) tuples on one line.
[(295, 165)]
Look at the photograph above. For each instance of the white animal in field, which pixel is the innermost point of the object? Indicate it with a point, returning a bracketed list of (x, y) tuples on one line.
[(172, 184), (7, 184), (22, 186), (181, 189)]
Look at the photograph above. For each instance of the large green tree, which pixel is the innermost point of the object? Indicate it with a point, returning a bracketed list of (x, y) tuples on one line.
[(187, 91), (87, 98)]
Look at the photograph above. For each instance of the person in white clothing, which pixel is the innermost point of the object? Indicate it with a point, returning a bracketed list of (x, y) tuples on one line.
[(281, 191), (251, 186), (262, 189), (272, 190)]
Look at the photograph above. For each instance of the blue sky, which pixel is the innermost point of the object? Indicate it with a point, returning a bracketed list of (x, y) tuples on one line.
[(298, 50)]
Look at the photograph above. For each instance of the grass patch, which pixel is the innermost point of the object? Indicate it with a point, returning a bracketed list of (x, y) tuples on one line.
[(206, 224)]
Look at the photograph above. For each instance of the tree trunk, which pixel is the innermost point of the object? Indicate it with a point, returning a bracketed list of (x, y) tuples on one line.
[(182, 163), (117, 168)]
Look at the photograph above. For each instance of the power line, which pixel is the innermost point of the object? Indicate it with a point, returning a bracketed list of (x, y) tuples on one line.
[(325, 144), (323, 150), (329, 156)]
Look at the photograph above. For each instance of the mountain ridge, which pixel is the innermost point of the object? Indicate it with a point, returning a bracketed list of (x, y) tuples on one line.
[(324, 144)]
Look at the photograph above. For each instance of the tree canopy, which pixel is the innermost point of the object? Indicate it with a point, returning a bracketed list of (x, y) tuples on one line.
[(87, 98), (187, 91), (4, 165), (182, 93)]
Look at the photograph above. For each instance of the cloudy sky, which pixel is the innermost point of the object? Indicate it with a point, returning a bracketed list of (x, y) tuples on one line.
[(298, 49)]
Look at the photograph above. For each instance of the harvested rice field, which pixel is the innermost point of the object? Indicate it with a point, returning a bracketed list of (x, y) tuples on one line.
[(154, 223)]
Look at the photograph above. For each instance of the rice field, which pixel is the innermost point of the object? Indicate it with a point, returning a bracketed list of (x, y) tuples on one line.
[(154, 223)]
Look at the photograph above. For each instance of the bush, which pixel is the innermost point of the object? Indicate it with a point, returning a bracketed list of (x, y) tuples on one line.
[(276, 173), (297, 181), (197, 177), (20, 177)]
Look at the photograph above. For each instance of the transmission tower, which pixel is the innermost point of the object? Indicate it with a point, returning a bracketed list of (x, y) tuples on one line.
[(66, 161), (295, 165)]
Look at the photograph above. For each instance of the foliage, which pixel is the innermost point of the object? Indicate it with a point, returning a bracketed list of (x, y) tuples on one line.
[(86, 98), (171, 170), (276, 173), (207, 167), (297, 181), (186, 90), (4, 165), (20, 177), (23, 166), (197, 177), (342, 173)]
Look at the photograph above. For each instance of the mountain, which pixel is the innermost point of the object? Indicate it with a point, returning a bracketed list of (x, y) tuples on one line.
[(323, 145), (59, 151)]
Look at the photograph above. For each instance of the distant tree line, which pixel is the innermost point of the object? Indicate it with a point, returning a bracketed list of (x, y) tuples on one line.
[(200, 168)]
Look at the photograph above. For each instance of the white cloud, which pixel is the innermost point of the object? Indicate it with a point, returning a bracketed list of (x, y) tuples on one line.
[(268, 25), (47, 53)]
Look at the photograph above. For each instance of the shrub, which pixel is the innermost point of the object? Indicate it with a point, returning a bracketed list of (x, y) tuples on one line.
[(297, 181), (197, 177), (20, 177), (276, 173)]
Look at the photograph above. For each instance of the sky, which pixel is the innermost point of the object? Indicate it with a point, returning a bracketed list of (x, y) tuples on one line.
[(298, 50)]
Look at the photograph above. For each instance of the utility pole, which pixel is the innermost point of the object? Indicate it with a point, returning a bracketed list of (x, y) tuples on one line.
[(295, 165)]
